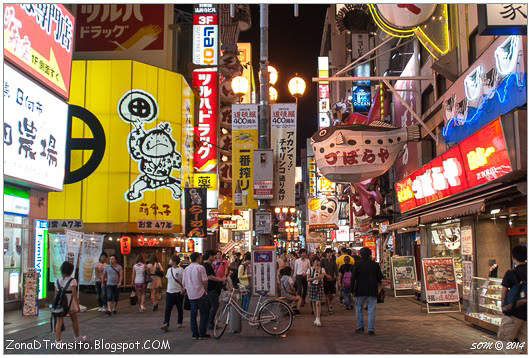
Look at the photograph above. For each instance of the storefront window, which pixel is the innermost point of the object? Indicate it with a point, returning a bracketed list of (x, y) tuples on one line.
[(16, 236), (445, 241)]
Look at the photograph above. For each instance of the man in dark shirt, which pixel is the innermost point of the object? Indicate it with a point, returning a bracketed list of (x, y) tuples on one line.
[(367, 282), (514, 321), (345, 282), (329, 282), (214, 287)]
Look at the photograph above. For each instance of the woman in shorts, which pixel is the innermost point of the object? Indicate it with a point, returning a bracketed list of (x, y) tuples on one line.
[(139, 280), (287, 289), (315, 276)]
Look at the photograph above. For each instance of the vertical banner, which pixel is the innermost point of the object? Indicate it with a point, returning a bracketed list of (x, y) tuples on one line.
[(73, 241), (264, 269), (468, 268), (205, 134), (284, 143), (57, 245), (439, 280), (205, 39), (244, 142), (91, 248), (466, 240), (196, 212), (41, 255)]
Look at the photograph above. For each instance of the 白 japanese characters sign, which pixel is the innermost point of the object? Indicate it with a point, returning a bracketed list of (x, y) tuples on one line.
[(475, 161), (284, 144), (205, 134), (56, 225), (196, 212), (244, 142), (502, 19), (205, 37), (39, 39), (91, 249), (34, 132), (439, 280), (162, 225)]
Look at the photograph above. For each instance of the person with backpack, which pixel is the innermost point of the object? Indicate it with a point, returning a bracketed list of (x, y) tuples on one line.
[(156, 273), (345, 282), (514, 297), (66, 302), (315, 275), (139, 281), (174, 293), (112, 276)]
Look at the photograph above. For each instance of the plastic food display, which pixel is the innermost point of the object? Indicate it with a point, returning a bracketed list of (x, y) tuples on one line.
[(484, 309)]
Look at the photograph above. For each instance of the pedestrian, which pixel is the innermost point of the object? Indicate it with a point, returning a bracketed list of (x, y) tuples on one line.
[(233, 269), (195, 281), (69, 284), (220, 266), (329, 282), (341, 259), (139, 281), (301, 267), (214, 287), (315, 276), (156, 272), (287, 289), (244, 277), (345, 282), (100, 287), (514, 297), (367, 277), (112, 277), (174, 293)]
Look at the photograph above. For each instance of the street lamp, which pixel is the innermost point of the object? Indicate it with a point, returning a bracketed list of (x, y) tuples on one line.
[(273, 94), (285, 210), (273, 75), (277, 210), (240, 85), (296, 87), (292, 210)]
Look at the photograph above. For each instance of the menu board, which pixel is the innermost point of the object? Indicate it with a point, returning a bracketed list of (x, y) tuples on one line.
[(439, 280), (403, 269), (31, 279)]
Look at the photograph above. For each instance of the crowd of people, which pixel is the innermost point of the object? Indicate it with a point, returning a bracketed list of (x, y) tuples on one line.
[(197, 285)]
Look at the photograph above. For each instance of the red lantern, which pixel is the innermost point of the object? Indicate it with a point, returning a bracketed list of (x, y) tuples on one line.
[(125, 245)]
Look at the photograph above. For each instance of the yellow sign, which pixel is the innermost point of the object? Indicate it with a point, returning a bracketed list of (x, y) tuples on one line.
[(244, 49), (479, 157), (140, 108), (187, 135), (205, 180)]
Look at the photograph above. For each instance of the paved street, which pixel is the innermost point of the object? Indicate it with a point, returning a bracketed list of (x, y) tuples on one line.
[(401, 328)]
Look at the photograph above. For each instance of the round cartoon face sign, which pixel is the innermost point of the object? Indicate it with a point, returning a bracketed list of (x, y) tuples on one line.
[(406, 15), (137, 106), (157, 143)]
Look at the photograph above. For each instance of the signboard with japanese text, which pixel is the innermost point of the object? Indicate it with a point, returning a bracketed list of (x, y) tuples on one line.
[(468, 269), (212, 220), (41, 256), (158, 225), (125, 245), (55, 225), (262, 221), (205, 180), (284, 144), (264, 270), (125, 31), (324, 93), (370, 242), (466, 240), (91, 249), (343, 233), (205, 134), (140, 175), (439, 280), (323, 213), (263, 174), (205, 35), (39, 39), (187, 136), (477, 160), (34, 132), (196, 212), (502, 19), (244, 142), (403, 271)]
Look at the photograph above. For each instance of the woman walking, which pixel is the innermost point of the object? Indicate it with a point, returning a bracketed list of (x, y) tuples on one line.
[(156, 273), (315, 276), (139, 281), (69, 284), (244, 275)]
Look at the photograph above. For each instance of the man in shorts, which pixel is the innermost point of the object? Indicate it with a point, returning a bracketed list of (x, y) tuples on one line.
[(329, 282), (112, 276)]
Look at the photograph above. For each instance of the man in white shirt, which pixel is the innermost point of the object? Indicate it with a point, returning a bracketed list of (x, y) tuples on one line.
[(302, 265), (195, 281), (174, 293)]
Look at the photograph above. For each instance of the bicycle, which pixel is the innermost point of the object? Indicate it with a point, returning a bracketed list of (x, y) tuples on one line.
[(274, 316)]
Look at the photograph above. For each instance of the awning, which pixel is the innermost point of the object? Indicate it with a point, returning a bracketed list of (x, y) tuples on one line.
[(411, 222), (465, 209)]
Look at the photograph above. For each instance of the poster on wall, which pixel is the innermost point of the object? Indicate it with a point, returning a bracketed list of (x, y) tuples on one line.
[(34, 132), (91, 249), (264, 270), (403, 271), (284, 144), (39, 39), (323, 213), (468, 268), (439, 280), (57, 248), (196, 212), (466, 240), (73, 243), (31, 279)]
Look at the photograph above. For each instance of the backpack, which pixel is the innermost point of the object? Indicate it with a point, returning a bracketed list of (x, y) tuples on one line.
[(515, 293), (347, 279), (234, 274), (61, 306)]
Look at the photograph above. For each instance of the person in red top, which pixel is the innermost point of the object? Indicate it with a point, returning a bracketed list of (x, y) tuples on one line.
[(220, 266)]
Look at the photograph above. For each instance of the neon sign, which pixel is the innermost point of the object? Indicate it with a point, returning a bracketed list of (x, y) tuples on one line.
[(475, 161), (41, 255), (205, 40), (206, 131)]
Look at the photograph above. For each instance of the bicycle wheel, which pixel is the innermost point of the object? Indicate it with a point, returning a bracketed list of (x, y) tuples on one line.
[(275, 317), (221, 321)]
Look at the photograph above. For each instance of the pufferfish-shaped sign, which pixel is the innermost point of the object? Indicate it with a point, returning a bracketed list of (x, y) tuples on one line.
[(354, 153)]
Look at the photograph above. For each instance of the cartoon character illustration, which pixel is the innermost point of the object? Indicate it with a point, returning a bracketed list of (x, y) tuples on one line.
[(153, 149)]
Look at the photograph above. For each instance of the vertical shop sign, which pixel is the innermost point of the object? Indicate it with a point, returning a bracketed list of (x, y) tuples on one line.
[(205, 133), (57, 248), (39, 39), (263, 174), (125, 245), (324, 94), (91, 248), (466, 240), (467, 279), (284, 143), (439, 280), (196, 212), (244, 142), (264, 270), (41, 256), (205, 39)]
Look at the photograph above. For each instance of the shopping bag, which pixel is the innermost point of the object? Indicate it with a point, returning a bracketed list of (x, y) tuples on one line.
[(133, 299)]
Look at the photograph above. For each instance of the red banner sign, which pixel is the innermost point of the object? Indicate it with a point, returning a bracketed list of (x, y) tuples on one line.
[(39, 39), (206, 131), (119, 27), (125, 245), (477, 160)]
